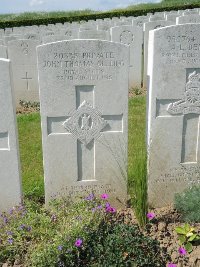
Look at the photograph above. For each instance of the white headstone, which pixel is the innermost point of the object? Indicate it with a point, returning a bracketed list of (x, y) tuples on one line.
[(22, 54), (84, 112), (191, 11), (173, 112), (188, 19), (10, 180), (132, 36), (172, 17)]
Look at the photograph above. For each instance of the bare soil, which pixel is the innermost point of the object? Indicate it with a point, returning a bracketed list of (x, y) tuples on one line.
[(162, 229)]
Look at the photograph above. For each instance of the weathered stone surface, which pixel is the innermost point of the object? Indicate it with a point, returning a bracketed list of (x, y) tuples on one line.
[(84, 105), (132, 36), (173, 112), (10, 182)]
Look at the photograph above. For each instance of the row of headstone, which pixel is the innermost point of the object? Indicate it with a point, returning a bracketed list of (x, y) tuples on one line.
[(22, 54), (131, 31), (84, 112)]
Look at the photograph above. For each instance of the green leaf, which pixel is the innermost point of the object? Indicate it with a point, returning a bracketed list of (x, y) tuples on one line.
[(182, 238), (180, 230), (188, 247), (192, 237), (187, 228)]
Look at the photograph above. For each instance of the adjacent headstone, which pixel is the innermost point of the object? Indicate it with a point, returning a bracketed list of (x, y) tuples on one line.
[(94, 34), (172, 17), (10, 180), (190, 11), (84, 112), (133, 37), (188, 19), (22, 54), (148, 27), (173, 112)]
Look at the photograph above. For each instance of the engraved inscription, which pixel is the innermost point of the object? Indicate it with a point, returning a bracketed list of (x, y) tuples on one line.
[(84, 189), (182, 48), (84, 66), (126, 37), (85, 123), (187, 174), (191, 102), (27, 80)]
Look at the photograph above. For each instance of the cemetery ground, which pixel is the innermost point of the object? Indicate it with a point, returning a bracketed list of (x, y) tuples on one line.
[(90, 232)]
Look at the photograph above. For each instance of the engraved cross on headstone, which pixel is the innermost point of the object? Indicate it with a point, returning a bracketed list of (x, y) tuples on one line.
[(189, 109), (27, 79), (86, 124)]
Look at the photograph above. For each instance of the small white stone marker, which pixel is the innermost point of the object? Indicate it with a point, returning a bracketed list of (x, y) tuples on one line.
[(10, 180), (84, 100)]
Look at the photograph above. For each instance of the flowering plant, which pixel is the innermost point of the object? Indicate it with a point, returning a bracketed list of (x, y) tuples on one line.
[(187, 235)]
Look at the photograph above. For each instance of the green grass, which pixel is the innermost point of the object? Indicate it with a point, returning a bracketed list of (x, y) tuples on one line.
[(30, 145), (31, 155), (137, 183)]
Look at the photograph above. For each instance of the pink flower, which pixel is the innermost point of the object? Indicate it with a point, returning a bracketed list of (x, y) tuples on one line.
[(111, 209), (182, 251), (78, 242), (151, 215), (104, 196), (171, 265)]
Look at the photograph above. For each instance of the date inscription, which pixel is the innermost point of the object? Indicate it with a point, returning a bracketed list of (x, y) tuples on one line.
[(84, 66)]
